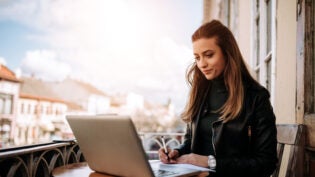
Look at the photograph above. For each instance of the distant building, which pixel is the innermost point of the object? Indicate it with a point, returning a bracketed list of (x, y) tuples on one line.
[(9, 95), (90, 99), (38, 118), (33, 110), (127, 103), (43, 106)]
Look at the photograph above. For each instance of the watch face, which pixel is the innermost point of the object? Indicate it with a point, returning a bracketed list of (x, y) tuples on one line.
[(212, 162)]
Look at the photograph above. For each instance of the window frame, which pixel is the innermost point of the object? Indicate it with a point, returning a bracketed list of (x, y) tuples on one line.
[(263, 60), (6, 106)]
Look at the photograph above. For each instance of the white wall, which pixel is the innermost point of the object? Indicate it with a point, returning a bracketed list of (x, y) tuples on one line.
[(285, 88), (244, 37)]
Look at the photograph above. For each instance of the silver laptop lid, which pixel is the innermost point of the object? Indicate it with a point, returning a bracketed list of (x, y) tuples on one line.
[(110, 144)]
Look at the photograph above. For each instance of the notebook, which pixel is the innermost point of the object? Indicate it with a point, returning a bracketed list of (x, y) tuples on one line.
[(111, 145)]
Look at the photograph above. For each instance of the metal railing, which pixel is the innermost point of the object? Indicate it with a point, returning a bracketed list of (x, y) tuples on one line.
[(152, 142), (40, 160)]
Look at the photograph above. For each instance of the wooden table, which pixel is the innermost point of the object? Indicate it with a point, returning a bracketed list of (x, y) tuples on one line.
[(83, 170)]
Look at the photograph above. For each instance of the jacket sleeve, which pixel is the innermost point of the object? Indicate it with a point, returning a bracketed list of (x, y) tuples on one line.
[(262, 159), (185, 147)]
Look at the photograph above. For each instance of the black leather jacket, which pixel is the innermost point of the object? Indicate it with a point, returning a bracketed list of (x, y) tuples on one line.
[(245, 146)]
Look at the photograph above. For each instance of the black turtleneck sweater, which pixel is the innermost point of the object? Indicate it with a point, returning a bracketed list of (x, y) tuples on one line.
[(216, 97)]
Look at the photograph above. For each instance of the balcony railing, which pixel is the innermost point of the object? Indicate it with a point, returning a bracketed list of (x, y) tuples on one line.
[(40, 160)]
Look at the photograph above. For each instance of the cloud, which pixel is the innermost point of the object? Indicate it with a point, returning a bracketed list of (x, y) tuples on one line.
[(167, 65), (118, 45), (3, 61), (44, 64)]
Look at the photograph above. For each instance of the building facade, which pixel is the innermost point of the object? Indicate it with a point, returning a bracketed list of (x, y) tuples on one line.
[(39, 119), (9, 95)]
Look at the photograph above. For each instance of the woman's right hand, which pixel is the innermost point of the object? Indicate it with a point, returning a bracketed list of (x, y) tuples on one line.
[(170, 157)]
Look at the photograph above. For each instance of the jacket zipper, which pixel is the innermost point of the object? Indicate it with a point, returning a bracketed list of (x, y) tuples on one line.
[(249, 134), (213, 136)]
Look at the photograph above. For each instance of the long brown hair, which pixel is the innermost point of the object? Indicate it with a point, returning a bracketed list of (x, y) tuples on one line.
[(235, 73)]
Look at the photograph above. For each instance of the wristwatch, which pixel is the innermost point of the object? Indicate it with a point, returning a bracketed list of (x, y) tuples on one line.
[(212, 163)]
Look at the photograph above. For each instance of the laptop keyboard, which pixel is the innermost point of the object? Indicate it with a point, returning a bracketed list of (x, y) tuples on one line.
[(160, 173)]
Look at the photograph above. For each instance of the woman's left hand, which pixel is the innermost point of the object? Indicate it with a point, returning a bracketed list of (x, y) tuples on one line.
[(194, 159)]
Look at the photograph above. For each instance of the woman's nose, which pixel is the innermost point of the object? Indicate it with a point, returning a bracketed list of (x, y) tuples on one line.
[(203, 63)]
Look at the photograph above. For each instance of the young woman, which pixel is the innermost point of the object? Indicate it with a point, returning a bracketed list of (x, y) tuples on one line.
[(230, 121)]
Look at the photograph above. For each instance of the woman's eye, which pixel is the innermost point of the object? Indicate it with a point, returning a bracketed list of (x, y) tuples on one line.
[(197, 58), (209, 55)]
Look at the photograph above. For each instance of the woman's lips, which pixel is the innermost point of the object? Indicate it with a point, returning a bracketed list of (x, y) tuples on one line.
[(208, 71)]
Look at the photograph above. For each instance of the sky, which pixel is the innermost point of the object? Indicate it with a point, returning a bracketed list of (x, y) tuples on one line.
[(120, 46)]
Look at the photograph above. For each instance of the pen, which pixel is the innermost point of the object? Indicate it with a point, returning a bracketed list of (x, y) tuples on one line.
[(164, 146)]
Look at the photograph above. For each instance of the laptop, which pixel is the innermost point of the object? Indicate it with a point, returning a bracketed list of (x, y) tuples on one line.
[(111, 145)]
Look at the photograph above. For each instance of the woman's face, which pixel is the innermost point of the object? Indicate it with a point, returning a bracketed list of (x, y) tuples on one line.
[(209, 57)]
